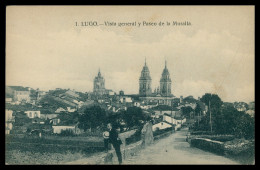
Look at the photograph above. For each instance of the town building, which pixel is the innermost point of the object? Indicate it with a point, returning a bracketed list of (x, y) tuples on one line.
[(33, 114), (9, 119), (22, 95), (251, 113), (161, 126), (48, 116), (66, 127), (60, 110), (8, 100)]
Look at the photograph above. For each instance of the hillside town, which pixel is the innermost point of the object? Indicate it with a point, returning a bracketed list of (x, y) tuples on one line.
[(48, 107), (59, 113)]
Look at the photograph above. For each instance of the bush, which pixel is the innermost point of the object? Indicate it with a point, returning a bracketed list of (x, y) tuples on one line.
[(67, 132)]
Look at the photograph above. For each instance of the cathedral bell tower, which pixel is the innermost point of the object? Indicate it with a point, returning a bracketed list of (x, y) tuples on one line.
[(145, 82), (99, 85), (165, 82)]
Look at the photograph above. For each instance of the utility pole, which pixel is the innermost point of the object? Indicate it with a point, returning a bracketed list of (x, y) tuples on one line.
[(210, 118), (199, 118)]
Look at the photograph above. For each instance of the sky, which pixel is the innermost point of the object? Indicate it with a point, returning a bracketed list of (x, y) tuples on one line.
[(46, 50)]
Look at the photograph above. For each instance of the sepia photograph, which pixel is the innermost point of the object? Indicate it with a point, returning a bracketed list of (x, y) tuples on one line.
[(130, 85)]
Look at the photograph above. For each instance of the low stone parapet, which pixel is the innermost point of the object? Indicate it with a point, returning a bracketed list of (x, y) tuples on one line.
[(109, 157), (208, 145)]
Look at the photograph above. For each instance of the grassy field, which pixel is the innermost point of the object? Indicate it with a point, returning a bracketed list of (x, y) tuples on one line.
[(51, 149), (17, 157)]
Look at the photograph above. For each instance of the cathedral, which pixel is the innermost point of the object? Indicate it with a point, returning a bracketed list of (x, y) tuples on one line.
[(145, 81), (162, 94)]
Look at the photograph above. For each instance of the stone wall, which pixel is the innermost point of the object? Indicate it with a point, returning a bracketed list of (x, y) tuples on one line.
[(208, 145), (128, 151), (157, 137)]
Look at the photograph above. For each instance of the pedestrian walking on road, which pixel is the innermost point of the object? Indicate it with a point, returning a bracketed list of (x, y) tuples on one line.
[(115, 141)]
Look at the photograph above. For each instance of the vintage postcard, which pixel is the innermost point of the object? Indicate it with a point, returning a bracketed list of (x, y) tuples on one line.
[(130, 85)]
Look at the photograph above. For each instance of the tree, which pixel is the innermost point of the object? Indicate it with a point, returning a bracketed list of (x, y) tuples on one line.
[(133, 115), (197, 109), (186, 111), (212, 99), (69, 118), (232, 121), (229, 121), (92, 117), (21, 119), (214, 104)]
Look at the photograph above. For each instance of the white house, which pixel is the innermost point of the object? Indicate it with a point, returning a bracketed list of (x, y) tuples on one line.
[(180, 121), (137, 104), (8, 127), (22, 96), (126, 99), (59, 110), (48, 116), (144, 107), (70, 109), (110, 92), (33, 114), (55, 121), (59, 128), (158, 112), (176, 121), (8, 100), (241, 108), (251, 112), (81, 103), (161, 125), (169, 119), (8, 115), (9, 119)]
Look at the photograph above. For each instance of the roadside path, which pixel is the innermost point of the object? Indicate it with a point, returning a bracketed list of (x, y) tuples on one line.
[(169, 150), (175, 150)]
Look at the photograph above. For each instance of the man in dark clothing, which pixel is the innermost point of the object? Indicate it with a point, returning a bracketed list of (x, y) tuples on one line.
[(115, 141)]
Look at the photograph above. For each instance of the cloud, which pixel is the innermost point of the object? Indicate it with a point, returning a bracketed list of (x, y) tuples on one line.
[(194, 88), (201, 62)]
